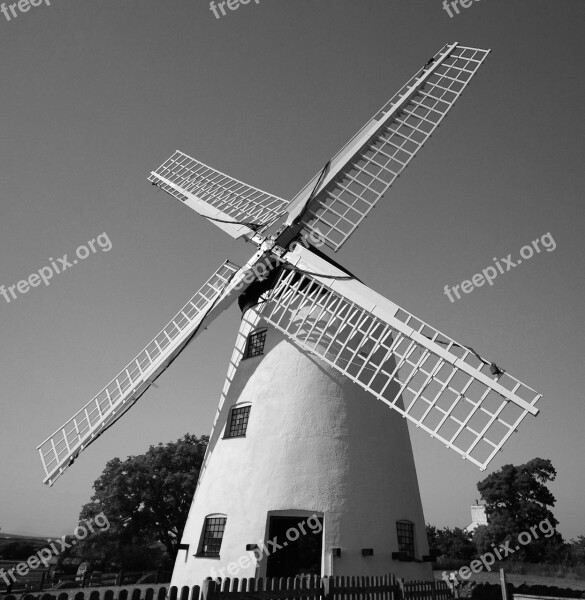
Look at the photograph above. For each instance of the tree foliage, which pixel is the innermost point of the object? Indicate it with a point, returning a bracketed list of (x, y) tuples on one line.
[(452, 543), (517, 499), (575, 552), (146, 499)]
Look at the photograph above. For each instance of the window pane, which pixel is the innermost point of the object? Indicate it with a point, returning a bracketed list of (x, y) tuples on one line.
[(255, 345), (238, 421), (405, 533), (212, 536)]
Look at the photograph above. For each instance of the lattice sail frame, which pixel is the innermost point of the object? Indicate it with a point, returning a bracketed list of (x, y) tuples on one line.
[(185, 177), (364, 169), (346, 324), (429, 378), (59, 450)]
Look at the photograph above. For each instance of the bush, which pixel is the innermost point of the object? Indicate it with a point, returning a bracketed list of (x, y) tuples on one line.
[(444, 563), (487, 591), (492, 591), (18, 551)]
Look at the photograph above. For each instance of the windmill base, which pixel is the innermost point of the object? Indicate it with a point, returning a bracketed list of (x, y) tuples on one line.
[(322, 482)]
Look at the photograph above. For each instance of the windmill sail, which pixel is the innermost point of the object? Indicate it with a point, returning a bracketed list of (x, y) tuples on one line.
[(59, 450), (363, 170), (236, 207), (443, 387), (440, 385)]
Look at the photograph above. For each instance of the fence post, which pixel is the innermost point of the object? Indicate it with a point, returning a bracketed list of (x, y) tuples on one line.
[(327, 588), (503, 584), (401, 586), (434, 590), (209, 589)]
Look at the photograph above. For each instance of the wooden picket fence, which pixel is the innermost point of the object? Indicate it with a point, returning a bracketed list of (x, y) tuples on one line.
[(306, 588), (386, 587), (422, 590), (39, 580), (314, 587)]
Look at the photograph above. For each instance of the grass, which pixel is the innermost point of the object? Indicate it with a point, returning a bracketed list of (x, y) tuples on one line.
[(544, 570), (558, 571), (518, 573)]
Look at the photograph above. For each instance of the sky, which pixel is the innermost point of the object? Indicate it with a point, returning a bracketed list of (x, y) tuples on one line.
[(95, 95)]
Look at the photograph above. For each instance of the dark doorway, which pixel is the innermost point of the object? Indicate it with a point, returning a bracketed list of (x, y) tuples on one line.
[(295, 557)]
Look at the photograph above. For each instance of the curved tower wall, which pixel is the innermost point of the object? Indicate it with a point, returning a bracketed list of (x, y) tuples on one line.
[(316, 443)]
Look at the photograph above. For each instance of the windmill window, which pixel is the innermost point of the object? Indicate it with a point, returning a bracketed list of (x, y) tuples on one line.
[(405, 533), (238, 421), (212, 536), (255, 344)]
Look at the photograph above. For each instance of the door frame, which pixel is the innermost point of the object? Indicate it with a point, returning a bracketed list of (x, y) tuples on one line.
[(263, 563)]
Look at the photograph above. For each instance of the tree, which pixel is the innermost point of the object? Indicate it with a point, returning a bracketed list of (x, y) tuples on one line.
[(146, 499), (517, 499), (576, 551), (453, 543)]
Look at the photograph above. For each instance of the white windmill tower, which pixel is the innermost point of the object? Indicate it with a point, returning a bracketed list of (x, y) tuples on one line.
[(305, 456)]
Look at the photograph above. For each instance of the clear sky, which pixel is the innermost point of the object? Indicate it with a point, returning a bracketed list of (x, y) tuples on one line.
[(95, 95)]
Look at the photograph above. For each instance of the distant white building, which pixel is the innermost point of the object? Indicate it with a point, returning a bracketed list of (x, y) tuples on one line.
[(478, 517)]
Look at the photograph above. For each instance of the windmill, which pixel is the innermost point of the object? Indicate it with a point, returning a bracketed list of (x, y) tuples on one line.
[(303, 431)]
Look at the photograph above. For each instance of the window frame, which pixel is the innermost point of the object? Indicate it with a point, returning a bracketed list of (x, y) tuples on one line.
[(203, 553), (228, 426), (408, 553), (262, 331)]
